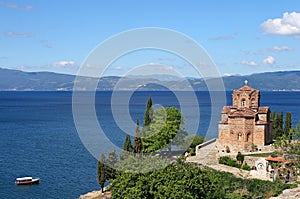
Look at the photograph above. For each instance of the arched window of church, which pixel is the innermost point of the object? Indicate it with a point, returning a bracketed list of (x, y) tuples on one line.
[(248, 137), (243, 102), (240, 137)]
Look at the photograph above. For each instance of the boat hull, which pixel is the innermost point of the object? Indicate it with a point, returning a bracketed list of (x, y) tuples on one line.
[(33, 181)]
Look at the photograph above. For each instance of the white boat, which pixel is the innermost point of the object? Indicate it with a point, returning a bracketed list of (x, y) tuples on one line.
[(27, 180)]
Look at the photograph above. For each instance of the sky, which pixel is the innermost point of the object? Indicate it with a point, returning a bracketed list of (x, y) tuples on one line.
[(241, 37)]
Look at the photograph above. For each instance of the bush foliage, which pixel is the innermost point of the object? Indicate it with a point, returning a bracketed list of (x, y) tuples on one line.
[(185, 180)]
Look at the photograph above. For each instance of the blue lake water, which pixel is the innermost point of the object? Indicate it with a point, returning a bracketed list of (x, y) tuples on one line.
[(38, 136)]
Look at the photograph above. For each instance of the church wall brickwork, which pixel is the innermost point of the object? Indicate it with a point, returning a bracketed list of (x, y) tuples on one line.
[(245, 123)]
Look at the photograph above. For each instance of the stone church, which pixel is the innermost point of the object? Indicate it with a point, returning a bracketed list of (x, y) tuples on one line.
[(245, 124)]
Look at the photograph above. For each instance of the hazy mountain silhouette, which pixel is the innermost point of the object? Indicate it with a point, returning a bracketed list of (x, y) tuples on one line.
[(48, 81)]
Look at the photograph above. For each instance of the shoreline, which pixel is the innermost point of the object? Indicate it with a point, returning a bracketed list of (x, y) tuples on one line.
[(289, 193), (96, 195)]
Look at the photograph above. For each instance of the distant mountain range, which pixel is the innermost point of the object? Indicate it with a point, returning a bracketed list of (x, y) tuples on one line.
[(48, 81)]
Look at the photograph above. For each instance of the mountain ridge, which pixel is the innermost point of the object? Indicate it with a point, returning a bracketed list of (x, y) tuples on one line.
[(17, 80)]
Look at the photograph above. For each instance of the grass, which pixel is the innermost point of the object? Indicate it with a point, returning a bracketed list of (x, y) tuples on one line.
[(259, 155)]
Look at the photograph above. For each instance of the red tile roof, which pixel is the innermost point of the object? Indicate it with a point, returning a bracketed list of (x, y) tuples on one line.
[(277, 159), (246, 88), (263, 109)]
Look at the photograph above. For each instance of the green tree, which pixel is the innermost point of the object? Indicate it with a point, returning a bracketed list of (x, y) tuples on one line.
[(127, 146), (295, 148), (295, 132), (137, 146), (240, 157), (148, 113), (110, 163), (186, 180), (101, 172), (278, 125), (281, 119), (273, 115), (165, 125), (289, 145), (288, 123), (177, 180), (142, 163), (148, 116)]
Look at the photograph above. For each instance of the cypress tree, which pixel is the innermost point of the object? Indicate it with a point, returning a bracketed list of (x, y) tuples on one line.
[(288, 123), (240, 157), (127, 146), (101, 172), (148, 113), (273, 115), (148, 116), (137, 145), (281, 120), (278, 125)]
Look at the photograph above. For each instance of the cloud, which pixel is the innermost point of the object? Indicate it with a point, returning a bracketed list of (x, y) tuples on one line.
[(289, 24), (249, 63), (222, 38), (64, 63), (15, 6), (269, 60), (281, 48), (15, 34), (3, 57)]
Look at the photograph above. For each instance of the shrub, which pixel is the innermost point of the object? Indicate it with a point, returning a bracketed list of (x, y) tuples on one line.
[(276, 165), (228, 161), (275, 154), (237, 196), (246, 167), (254, 147), (193, 153), (227, 149), (240, 157)]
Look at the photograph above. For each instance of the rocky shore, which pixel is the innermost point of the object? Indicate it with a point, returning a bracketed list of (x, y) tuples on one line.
[(96, 195), (289, 193)]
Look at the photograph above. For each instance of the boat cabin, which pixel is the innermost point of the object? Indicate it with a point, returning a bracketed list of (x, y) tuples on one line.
[(27, 180)]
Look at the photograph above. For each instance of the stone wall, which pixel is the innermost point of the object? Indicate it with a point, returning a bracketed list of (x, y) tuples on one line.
[(250, 160), (259, 135)]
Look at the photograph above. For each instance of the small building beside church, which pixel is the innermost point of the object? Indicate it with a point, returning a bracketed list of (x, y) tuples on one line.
[(245, 124)]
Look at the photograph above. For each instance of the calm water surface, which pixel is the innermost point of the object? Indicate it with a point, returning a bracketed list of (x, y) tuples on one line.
[(38, 137)]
